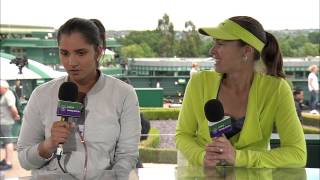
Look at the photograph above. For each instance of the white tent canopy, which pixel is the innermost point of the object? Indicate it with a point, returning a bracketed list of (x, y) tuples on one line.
[(33, 70), (109, 52)]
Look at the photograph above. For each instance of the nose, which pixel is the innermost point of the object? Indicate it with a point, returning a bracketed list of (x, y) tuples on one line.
[(212, 51), (73, 61)]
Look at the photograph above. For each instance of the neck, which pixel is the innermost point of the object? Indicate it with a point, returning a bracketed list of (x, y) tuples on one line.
[(239, 81), (86, 84)]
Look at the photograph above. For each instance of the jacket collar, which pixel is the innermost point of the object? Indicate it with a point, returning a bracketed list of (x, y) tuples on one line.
[(251, 130), (97, 86)]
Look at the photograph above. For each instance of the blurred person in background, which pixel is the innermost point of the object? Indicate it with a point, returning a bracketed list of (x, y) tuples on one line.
[(18, 88), (313, 86), (194, 68), (145, 128), (8, 115), (298, 96)]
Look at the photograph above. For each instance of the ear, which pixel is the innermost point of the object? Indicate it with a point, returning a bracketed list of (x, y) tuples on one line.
[(99, 52), (248, 51)]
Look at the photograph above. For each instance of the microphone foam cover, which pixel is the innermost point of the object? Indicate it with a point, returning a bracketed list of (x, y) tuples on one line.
[(68, 91), (214, 110)]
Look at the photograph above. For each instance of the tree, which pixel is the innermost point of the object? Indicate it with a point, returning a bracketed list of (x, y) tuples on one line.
[(165, 42), (310, 49), (314, 37), (132, 51), (137, 51), (286, 48), (167, 39), (190, 43), (147, 51), (147, 40)]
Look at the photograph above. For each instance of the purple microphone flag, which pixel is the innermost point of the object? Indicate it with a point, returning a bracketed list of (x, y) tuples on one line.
[(216, 129), (69, 109)]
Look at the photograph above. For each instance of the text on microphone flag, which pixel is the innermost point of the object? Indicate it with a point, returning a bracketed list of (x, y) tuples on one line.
[(216, 129), (69, 109)]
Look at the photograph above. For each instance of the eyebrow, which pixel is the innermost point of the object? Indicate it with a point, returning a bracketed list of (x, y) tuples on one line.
[(81, 50), (77, 50), (221, 40)]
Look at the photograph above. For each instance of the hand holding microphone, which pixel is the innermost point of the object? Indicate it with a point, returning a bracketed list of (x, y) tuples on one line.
[(60, 132), (217, 122), (220, 150), (67, 107)]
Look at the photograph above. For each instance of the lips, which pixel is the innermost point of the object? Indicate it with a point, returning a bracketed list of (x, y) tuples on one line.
[(74, 71)]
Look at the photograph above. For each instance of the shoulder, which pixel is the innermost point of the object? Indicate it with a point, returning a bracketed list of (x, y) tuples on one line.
[(117, 84), (207, 75), (271, 84), (312, 75), (50, 86), (270, 80), (9, 95)]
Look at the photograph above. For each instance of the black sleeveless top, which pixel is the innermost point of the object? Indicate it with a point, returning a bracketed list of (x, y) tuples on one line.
[(236, 124)]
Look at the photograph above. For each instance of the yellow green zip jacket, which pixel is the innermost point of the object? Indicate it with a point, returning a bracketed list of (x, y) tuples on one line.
[(270, 103)]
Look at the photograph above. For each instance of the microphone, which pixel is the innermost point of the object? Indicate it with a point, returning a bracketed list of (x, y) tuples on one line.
[(67, 106), (217, 122)]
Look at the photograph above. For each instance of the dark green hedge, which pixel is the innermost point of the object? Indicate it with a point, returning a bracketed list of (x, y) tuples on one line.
[(149, 153), (153, 140), (153, 155), (311, 120), (160, 113), (311, 130)]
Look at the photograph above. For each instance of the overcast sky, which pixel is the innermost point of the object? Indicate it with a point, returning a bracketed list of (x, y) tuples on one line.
[(144, 14)]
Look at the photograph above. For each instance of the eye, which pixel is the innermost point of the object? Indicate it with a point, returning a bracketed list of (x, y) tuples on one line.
[(64, 53), (82, 52), (219, 43)]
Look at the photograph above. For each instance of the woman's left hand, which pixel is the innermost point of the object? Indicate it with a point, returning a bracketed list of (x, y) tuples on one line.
[(226, 151)]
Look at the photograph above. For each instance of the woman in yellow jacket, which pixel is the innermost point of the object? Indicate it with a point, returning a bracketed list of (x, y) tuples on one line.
[(257, 100)]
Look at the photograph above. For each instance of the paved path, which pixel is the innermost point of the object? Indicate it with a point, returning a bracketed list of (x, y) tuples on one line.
[(167, 128), (17, 170)]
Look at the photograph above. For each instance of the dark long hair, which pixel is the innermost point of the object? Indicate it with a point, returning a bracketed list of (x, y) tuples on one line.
[(271, 54), (91, 29), (102, 32)]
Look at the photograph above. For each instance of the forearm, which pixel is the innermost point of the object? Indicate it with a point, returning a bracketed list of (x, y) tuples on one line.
[(33, 155), (46, 149), (29, 157), (127, 153), (288, 157), (190, 149), (14, 112), (126, 162)]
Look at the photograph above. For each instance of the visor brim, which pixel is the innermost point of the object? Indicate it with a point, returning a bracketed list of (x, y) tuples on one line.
[(217, 33)]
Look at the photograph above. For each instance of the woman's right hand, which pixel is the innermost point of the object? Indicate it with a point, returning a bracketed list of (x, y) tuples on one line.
[(210, 156), (218, 151), (60, 132)]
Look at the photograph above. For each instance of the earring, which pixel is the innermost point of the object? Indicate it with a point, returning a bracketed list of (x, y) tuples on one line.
[(245, 59)]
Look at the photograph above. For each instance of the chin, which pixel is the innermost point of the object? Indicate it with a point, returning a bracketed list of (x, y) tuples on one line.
[(217, 69), (75, 77)]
